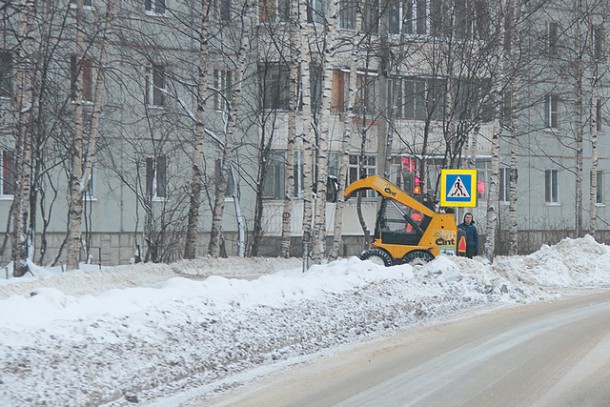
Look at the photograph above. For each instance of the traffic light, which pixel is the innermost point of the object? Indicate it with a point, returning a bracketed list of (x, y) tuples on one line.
[(417, 187)]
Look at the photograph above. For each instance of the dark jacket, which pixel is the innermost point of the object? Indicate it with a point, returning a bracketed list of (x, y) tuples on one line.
[(472, 238)]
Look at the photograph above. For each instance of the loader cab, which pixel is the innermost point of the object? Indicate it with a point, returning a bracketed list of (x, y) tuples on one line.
[(400, 224)]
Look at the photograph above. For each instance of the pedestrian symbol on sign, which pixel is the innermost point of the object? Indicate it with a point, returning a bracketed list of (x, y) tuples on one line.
[(458, 190), (458, 187)]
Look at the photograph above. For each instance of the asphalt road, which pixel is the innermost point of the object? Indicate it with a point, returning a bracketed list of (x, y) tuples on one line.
[(542, 354)]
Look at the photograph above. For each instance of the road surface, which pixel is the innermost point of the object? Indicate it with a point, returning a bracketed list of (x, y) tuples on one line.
[(542, 354)]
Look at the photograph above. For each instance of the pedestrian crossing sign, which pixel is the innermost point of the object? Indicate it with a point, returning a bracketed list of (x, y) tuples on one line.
[(458, 188)]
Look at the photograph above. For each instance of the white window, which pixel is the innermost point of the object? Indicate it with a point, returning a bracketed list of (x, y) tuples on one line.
[(223, 82), (7, 173), (6, 74), (370, 16), (551, 111), (298, 174), (273, 11), (86, 3), (81, 69), (224, 9), (552, 38), (156, 177), (550, 187), (504, 184), (598, 114), (230, 191), (598, 42), (89, 191), (317, 10), (274, 176), (155, 86), (347, 14), (274, 79), (599, 193), (366, 97), (357, 171), (154, 6)]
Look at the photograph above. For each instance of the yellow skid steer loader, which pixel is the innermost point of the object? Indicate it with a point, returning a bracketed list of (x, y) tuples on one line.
[(406, 230)]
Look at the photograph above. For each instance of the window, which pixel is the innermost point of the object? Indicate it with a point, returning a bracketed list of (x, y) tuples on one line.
[(6, 74), (370, 16), (315, 86), (81, 69), (340, 91), (156, 177), (599, 192), (154, 6), (550, 187), (89, 190), (552, 37), (274, 177), (155, 85), (504, 184), (317, 10), (598, 114), (86, 3), (224, 9), (347, 14), (366, 98), (369, 167), (223, 82), (483, 167), (7, 173), (230, 191), (551, 113), (415, 99), (298, 174), (273, 11), (598, 42), (274, 81)]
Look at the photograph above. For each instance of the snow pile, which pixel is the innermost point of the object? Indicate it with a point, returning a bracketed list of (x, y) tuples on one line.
[(140, 334)]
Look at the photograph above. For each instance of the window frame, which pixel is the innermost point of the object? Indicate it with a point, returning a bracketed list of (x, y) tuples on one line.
[(155, 82), (354, 172), (7, 181), (551, 111), (551, 187), (273, 11), (223, 85), (274, 85), (275, 170), (82, 68), (155, 7), (346, 15), (7, 69), (504, 185), (156, 178)]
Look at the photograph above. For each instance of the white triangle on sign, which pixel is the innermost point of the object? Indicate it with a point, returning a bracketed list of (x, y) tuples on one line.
[(458, 190)]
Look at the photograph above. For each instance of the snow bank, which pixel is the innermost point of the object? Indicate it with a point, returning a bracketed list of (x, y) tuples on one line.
[(143, 333)]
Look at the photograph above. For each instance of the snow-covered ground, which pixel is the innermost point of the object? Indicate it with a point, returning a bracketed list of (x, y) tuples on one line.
[(159, 335)]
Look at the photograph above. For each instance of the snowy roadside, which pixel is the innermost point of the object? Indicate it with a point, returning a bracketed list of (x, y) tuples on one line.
[(142, 336)]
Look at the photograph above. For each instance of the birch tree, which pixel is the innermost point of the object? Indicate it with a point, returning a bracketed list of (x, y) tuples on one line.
[(201, 96), (24, 103), (85, 140), (242, 54)]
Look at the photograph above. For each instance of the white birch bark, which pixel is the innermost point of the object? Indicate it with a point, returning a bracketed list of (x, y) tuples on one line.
[(197, 159), (307, 136), (319, 243), (295, 46), (24, 103), (232, 119)]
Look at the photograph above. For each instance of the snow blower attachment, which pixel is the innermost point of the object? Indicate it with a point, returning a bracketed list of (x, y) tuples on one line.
[(406, 230)]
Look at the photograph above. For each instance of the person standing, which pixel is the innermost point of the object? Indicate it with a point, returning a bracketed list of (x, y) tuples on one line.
[(472, 235)]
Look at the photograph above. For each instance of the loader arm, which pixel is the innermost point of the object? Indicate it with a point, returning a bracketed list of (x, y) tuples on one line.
[(387, 189)]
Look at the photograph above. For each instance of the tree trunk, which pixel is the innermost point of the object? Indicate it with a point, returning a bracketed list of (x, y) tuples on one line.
[(25, 102), (190, 247), (307, 137), (232, 121)]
